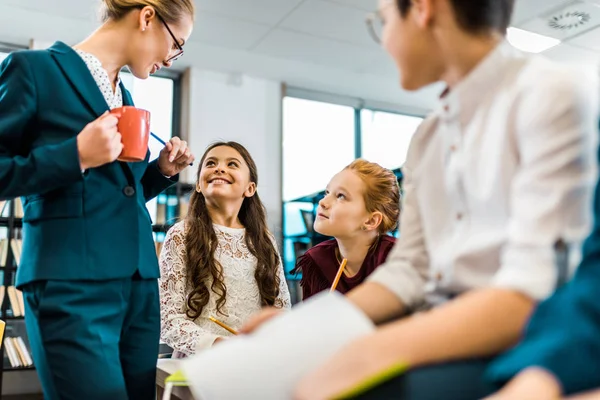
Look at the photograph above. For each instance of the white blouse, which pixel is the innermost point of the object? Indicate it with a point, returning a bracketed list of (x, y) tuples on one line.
[(243, 297), (114, 99), (499, 174)]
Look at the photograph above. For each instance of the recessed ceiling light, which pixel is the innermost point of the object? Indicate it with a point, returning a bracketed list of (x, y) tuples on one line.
[(575, 18), (529, 41), (569, 20)]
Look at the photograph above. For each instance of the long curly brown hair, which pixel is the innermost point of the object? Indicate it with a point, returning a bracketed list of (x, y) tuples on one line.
[(201, 244)]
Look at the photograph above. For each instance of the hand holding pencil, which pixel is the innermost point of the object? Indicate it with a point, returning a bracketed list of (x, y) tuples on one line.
[(174, 157)]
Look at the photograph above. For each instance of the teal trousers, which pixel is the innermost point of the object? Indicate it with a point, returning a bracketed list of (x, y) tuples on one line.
[(94, 339)]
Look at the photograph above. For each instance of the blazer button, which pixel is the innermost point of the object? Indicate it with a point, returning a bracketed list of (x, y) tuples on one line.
[(128, 191)]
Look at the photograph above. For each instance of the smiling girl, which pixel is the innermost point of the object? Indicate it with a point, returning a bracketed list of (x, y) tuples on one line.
[(361, 205), (221, 261)]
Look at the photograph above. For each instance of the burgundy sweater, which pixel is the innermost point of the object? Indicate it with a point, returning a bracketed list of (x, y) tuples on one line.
[(319, 266)]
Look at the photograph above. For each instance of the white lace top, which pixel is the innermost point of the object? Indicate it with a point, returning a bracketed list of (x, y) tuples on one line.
[(243, 297)]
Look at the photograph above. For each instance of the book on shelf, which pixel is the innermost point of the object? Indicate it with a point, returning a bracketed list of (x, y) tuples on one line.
[(3, 204), (18, 208), (3, 251), (16, 245), (20, 353), (11, 353), (15, 297), (27, 355), (21, 301), (17, 352)]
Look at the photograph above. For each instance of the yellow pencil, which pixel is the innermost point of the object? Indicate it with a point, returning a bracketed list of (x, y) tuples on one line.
[(222, 325), (339, 275)]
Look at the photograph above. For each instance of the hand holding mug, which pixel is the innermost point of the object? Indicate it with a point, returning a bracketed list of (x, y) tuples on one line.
[(99, 142)]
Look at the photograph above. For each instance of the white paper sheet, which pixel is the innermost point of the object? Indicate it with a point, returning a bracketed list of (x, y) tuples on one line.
[(269, 363)]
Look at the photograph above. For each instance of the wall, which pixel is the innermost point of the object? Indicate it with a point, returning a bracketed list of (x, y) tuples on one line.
[(220, 106)]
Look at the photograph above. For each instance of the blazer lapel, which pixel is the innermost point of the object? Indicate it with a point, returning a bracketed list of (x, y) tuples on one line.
[(80, 77), (83, 82), (127, 100)]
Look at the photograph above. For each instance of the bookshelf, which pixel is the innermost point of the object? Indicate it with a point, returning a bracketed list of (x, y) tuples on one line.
[(171, 206), (298, 234), (15, 350)]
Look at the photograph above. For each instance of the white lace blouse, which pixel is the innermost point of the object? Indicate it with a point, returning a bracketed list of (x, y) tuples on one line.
[(243, 298)]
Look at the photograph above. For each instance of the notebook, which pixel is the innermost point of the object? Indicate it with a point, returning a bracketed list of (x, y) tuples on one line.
[(269, 363)]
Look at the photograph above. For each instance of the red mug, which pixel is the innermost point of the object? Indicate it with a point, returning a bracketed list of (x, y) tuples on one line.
[(134, 127)]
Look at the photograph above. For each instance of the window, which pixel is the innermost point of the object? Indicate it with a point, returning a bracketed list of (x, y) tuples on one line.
[(318, 141), (155, 94), (385, 137)]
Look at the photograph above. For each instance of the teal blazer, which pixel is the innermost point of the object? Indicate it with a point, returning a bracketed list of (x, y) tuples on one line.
[(76, 226)]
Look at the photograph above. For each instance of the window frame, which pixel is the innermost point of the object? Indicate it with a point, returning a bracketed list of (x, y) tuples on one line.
[(8, 48), (357, 103)]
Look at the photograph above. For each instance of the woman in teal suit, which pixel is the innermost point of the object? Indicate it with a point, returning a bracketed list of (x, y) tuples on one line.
[(89, 269)]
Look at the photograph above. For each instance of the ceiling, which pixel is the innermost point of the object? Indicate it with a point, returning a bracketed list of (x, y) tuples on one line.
[(315, 44)]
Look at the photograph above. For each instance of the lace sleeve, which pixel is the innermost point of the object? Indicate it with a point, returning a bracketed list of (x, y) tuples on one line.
[(283, 300), (177, 330)]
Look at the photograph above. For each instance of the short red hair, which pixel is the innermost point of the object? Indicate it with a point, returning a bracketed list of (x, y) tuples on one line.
[(382, 194)]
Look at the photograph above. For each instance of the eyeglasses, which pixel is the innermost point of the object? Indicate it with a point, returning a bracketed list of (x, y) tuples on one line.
[(179, 48), (374, 23)]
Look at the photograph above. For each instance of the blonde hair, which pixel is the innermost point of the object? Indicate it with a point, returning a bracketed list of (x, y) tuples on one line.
[(170, 10), (382, 193)]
